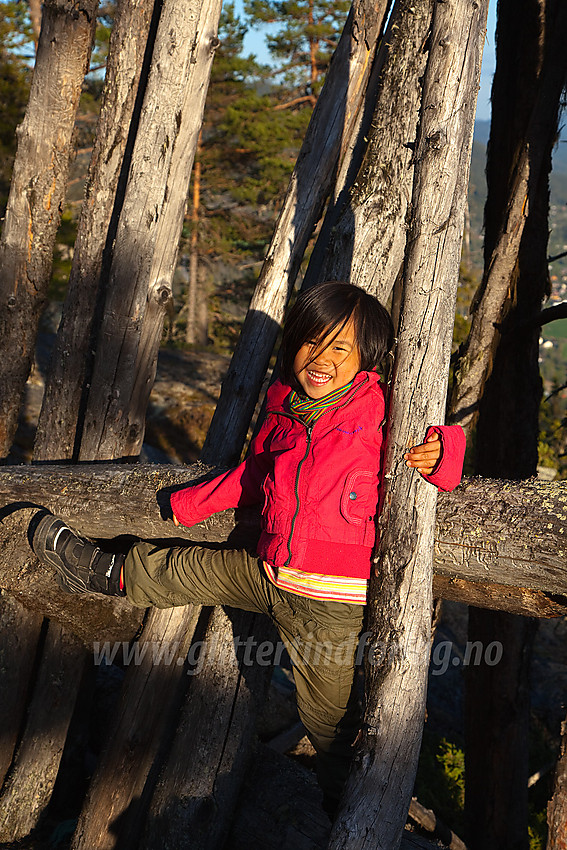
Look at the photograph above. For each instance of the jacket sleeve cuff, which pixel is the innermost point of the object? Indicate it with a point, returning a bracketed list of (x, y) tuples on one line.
[(448, 471), (183, 508)]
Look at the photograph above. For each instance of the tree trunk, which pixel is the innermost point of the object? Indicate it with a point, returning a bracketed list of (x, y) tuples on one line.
[(369, 236), (36, 194), (497, 704), (35, 18), (332, 123), (378, 792), (148, 230), (528, 158), (496, 729), (131, 42)]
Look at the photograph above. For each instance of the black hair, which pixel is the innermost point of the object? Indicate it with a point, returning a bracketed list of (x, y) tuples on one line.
[(328, 307)]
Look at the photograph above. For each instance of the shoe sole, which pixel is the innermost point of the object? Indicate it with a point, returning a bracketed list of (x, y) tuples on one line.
[(46, 529)]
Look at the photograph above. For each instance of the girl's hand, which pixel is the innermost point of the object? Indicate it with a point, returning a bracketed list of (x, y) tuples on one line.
[(175, 521), (425, 456)]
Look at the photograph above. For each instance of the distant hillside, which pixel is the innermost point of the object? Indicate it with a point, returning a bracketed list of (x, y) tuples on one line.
[(477, 196)]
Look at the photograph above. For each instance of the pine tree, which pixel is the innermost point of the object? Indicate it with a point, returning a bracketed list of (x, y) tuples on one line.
[(307, 33)]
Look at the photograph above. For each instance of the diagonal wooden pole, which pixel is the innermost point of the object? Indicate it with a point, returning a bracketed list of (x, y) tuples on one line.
[(379, 788), (334, 122)]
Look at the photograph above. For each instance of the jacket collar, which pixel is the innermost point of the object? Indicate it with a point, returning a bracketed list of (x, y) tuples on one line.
[(279, 391)]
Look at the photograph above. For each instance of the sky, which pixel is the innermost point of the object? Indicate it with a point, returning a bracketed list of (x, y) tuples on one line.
[(255, 43)]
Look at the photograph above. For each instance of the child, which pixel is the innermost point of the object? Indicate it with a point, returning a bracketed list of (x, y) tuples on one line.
[(315, 469)]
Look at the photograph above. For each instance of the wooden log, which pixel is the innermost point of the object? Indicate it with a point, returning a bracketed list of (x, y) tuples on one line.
[(488, 530), (368, 238), (64, 385), (113, 813), (503, 542), (37, 192), (151, 217), (499, 597), (201, 778), (378, 791), (27, 789), (428, 820), (334, 119), (20, 634), (87, 616)]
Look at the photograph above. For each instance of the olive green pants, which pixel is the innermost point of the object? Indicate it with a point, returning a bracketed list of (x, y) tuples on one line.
[(320, 637)]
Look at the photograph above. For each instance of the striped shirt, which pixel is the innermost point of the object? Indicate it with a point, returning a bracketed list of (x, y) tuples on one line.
[(315, 585)]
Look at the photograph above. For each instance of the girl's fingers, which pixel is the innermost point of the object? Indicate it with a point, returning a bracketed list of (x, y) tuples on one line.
[(425, 456)]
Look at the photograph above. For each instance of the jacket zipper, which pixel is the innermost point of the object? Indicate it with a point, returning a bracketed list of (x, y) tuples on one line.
[(309, 430)]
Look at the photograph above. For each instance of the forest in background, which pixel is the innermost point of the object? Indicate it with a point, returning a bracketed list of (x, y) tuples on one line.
[(255, 119)]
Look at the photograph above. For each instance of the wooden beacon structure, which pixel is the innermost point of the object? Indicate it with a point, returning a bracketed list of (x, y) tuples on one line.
[(387, 151)]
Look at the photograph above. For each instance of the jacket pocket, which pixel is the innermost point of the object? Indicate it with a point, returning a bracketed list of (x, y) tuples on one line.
[(359, 497)]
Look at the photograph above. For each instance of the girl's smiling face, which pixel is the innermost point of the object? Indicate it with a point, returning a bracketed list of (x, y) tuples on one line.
[(327, 364)]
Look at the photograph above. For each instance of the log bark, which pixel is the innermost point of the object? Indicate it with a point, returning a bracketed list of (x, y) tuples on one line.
[(201, 778), (114, 810), (145, 250), (367, 239), (334, 119), (29, 784), (20, 635), (71, 362), (37, 193), (378, 791)]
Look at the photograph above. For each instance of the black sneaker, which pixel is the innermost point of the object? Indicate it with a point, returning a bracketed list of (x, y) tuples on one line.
[(81, 566)]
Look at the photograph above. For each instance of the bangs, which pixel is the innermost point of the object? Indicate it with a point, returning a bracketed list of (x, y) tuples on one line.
[(323, 311)]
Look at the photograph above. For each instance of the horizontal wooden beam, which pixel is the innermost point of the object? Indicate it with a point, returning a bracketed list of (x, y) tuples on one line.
[(498, 544)]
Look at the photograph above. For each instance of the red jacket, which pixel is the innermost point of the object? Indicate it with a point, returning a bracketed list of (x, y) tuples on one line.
[(318, 485)]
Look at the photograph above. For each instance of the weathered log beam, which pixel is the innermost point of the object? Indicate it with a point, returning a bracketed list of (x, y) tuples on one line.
[(88, 617), (500, 544), (500, 597), (512, 533)]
